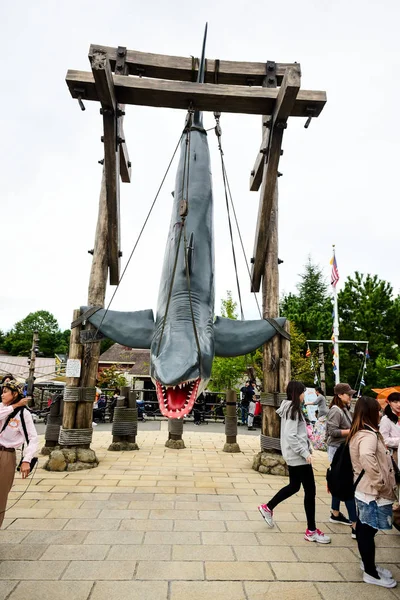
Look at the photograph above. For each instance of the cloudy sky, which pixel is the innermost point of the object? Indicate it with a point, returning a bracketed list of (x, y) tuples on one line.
[(340, 176)]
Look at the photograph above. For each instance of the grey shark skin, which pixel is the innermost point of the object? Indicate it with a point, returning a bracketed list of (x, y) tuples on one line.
[(182, 353)]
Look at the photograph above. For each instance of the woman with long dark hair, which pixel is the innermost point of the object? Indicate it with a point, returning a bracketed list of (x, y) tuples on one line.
[(296, 450), (375, 492), (338, 426), (390, 424)]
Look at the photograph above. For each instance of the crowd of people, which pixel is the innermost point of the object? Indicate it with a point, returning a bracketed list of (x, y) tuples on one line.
[(371, 441)]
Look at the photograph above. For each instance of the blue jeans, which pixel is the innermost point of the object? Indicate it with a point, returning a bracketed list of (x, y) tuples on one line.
[(245, 412)]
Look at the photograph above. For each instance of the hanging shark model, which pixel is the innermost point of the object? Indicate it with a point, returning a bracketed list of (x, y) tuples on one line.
[(185, 336)]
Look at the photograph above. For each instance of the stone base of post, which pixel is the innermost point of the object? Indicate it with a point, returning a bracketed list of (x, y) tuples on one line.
[(231, 444), (175, 430), (71, 459)]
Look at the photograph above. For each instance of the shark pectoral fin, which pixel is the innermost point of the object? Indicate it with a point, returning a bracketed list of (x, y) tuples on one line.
[(133, 329), (235, 338)]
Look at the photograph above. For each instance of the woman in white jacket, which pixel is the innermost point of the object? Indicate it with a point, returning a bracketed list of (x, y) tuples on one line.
[(296, 450)]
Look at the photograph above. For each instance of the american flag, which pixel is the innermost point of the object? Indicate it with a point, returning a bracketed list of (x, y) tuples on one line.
[(335, 272)]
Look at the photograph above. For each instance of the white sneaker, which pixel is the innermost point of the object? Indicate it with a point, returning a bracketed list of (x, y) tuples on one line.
[(383, 582), (94, 424), (317, 536), (385, 573), (266, 514)]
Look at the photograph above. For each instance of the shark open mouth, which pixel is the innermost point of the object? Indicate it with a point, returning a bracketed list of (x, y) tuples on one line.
[(177, 401)]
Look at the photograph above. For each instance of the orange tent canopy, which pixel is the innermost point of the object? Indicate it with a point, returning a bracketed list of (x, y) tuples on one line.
[(384, 393)]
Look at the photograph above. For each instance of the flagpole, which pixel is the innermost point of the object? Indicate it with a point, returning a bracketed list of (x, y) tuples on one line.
[(336, 336)]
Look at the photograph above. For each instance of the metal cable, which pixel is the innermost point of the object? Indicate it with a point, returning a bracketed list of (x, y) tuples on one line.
[(141, 231), (219, 134), (225, 176)]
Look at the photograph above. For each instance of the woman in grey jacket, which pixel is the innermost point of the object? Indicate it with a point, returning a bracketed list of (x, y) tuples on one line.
[(338, 426), (296, 450)]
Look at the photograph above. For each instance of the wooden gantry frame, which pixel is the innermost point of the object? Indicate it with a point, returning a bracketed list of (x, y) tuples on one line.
[(119, 77)]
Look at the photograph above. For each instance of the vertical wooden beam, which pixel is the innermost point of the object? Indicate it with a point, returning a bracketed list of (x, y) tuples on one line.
[(75, 351)]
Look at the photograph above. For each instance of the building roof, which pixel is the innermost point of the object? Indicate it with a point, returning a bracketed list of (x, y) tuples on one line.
[(18, 366), (136, 358)]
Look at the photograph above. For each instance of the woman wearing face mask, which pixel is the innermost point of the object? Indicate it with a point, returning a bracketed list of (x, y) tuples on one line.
[(12, 436), (296, 450), (338, 426)]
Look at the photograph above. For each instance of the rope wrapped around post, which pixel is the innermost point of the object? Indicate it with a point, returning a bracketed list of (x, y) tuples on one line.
[(231, 444), (54, 420), (125, 422), (73, 437), (270, 443), (80, 394)]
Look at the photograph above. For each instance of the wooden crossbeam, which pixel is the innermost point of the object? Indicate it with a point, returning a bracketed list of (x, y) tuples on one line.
[(103, 78), (203, 96), (181, 68), (283, 108)]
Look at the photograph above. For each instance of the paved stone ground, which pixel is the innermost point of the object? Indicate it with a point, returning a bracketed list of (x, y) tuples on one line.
[(166, 524)]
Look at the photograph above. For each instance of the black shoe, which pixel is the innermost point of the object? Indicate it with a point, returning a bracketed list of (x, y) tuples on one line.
[(353, 533), (340, 519)]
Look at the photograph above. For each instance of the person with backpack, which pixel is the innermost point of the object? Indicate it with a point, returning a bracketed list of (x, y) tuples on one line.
[(376, 489), (296, 450), (16, 424), (338, 425)]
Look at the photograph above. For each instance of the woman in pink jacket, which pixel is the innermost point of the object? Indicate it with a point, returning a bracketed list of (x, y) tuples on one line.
[(375, 492), (12, 436)]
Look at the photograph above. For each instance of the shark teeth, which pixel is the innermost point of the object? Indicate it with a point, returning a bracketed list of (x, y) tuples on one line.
[(190, 387)]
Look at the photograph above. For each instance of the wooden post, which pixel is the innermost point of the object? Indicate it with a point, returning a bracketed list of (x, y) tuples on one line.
[(96, 297), (231, 444), (270, 297), (75, 351), (321, 360)]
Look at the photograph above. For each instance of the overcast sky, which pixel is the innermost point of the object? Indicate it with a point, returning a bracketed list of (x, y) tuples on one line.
[(340, 176)]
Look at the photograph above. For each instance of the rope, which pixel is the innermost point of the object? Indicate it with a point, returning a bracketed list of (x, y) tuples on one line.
[(79, 394), (269, 443), (122, 414), (124, 428), (141, 231), (218, 132), (72, 437), (52, 432)]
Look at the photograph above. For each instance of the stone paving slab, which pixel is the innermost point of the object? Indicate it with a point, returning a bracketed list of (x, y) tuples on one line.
[(173, 525)]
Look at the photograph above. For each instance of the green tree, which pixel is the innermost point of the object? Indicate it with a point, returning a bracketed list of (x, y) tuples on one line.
[(111, 378), (300, 364), (310, 312), (368, 311), (227, 372), (311, 308), (19, 340)]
